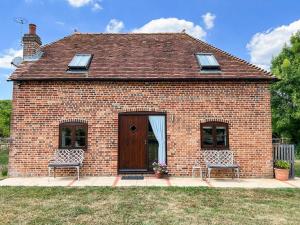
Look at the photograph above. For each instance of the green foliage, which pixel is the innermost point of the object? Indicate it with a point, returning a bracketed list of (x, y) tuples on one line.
[(281, 164), (286, 92), (3, 156), (4, 171), (5, 113), (297, 149), (297, 168)]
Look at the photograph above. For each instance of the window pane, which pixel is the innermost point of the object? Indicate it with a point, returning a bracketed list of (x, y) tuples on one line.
[(207, 136), (80, 61), (212, 60), (152, 147), (207, 60), (66, 137), (221, 136), (80, 137)]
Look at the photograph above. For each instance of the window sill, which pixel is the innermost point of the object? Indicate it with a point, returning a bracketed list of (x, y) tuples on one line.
[(205, 149), (83, 148)]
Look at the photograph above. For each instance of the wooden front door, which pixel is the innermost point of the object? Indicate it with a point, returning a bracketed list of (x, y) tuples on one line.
[(133, 132)]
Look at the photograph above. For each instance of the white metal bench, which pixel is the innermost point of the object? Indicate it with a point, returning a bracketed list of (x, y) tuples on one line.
[(220, 159), (66, 158)]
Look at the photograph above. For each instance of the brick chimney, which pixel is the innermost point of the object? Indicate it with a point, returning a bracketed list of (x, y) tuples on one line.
[(31, 42)]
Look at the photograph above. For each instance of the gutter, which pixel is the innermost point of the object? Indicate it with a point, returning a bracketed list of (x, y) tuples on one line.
[(269, 79)]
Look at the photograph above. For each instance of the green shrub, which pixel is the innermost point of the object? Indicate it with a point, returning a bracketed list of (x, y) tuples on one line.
[(3, 156), (281, 164), (4, 171), (5, 113), (297, 151)]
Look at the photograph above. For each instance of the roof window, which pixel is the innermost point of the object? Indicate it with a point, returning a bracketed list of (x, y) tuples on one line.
[(208, 62), (80, 62)]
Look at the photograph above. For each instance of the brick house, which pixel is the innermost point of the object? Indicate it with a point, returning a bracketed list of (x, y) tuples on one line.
[(131, 99)]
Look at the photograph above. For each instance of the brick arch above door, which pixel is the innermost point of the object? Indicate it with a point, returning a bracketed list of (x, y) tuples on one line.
[(143, 109)]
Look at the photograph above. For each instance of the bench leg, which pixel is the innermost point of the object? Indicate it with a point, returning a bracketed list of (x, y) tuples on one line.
[(194, 170), (208, 173), (238, 172), (49, 172), (77, 172), (201, 173)]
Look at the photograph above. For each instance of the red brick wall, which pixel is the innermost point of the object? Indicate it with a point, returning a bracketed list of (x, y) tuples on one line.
[(31, 44), (39, 107)]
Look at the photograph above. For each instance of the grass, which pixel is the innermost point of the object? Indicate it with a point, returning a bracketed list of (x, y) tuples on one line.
[(4, 157), (36, 205), (3, 161), (297, 168)]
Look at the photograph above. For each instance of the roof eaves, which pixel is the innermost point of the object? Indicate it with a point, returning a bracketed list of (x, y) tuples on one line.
[(146, 79)]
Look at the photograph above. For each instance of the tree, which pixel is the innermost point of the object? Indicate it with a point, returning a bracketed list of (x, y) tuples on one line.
[(285, 98), (5, 113)]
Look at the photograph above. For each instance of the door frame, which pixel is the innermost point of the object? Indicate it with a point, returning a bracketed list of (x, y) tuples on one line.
[(141, 113)]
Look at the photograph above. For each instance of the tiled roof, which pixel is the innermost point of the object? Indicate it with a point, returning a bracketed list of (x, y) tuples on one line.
[(161, 56)]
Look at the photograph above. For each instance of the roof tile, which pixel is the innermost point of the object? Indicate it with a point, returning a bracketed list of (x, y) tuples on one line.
[(135, 56)]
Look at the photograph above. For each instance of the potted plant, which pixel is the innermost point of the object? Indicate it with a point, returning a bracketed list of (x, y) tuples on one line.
[(159, 169), (282, 169)]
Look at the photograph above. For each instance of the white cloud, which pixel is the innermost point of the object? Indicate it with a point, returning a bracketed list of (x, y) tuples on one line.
[(96, 7), (60, 23), (80, 3), (209, 20), (7, 56), (114, 26), (265, 45), (172, 25)]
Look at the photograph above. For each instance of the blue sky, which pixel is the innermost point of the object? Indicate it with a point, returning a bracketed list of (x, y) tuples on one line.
[(254, 30)]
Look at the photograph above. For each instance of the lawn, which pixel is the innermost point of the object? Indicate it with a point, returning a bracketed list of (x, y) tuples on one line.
[(34, 205)]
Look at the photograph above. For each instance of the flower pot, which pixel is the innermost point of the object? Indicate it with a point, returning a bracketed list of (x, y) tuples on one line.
[(281, 174), (158, 175)]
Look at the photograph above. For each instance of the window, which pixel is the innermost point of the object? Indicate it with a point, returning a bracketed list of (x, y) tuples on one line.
[(214, 135), (73, 135), (80, 62), (208, 62)]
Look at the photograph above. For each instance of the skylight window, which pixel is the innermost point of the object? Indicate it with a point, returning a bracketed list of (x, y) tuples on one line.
[(208, 62), (80, 62)]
